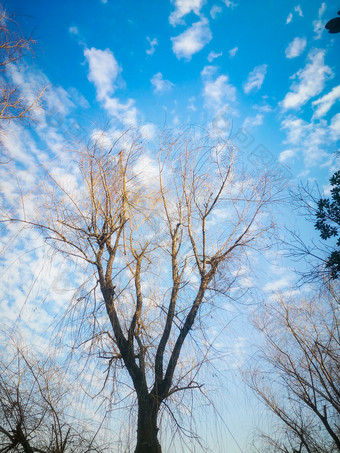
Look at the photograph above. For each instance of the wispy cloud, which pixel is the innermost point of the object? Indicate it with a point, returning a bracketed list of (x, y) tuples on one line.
[(103, 72), (184, 7), (233, 52), (253, 121), (56, 102), (153, 44), (289, 18), (335, 127), (311, 81), (277, 285), (230, 4), (296, 47), (161, 84), (297, 9), (148, 131), (126, 112), (286, 155), (311, 140), (213, 55), (255, 79), (73, 30), (215, 10), (318, 24), (217, 91), (192, 40), (295, 129), (325, 103)]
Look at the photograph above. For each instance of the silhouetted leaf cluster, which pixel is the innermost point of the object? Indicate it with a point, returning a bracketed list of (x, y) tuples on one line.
[(328, 222)]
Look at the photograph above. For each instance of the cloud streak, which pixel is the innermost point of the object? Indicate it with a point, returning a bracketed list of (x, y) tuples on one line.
[(296, 47), (324, 104), (309, 81), (255, 79)]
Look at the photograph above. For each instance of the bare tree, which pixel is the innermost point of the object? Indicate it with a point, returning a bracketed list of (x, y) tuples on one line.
[(35, 406), (297, 374), (161, 238), (14, 46)]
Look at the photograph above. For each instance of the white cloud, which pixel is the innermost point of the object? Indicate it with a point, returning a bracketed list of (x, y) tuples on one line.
[(103, 138), (295, 128), (318, 27), (184, 7), (252, 121), (191, 105), (289, 18), (161, 84), (255, 78), (148, 131), (215, 90), (311, 81), (147, 170), (335, 127), (230, 4), (213, 55), (192, 40), (218, 93), (266, 108), (153, 43), (315, 143), (322, 9), (325, 102), (176, 121), (311, 140), (125, 112), (297, 9), (286, 155), (318, 24), (78, 99), (55, 103), (16, 143), (104, 70), (215, 10), (296, 47), (74, 30), (233, 52), (277, 285)]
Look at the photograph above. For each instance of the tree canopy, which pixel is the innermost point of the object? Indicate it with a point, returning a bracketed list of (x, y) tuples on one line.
[(328, 223)]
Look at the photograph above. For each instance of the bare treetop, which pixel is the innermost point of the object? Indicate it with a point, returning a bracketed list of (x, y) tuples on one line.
[(14, 46)]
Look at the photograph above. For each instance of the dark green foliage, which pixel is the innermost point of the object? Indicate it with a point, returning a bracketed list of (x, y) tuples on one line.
[(328, 223)]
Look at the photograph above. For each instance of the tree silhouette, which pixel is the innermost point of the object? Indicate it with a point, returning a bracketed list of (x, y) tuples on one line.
[(328, 223), (333, 25)]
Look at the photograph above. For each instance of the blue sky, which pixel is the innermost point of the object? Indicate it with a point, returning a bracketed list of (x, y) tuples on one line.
[(267, 66), (265, 74)]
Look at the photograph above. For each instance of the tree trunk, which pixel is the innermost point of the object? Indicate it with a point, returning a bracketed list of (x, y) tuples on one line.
[(147, 429)]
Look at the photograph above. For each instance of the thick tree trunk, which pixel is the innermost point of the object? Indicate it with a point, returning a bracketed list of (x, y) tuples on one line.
[(147, 429)]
